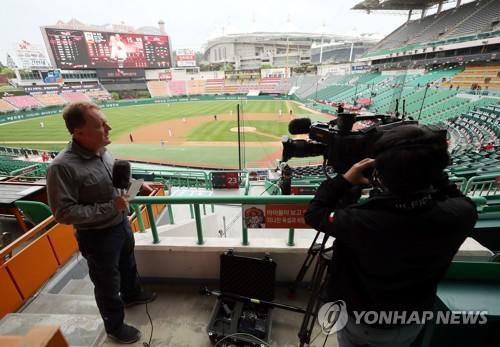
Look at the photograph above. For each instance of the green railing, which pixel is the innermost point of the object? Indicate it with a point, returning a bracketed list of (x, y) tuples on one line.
[(195, 202), (176, 178), (202, 200), (487, 186), (26, 170), (189, 178)]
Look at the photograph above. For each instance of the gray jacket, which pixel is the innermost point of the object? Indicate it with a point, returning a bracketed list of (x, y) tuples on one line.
[(80, 189)]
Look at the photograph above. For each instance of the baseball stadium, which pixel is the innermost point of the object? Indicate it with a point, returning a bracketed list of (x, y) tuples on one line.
[(234, 142)]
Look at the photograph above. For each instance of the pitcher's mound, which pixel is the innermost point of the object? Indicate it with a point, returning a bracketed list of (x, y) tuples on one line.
[(244, 129)]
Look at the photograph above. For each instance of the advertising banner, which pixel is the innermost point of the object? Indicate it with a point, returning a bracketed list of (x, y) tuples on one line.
[(275, 216), (185, 57), (120, 73)]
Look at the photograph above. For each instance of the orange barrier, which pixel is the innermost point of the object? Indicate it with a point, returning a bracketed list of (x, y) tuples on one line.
[(32, 266), (11, 298), (63, 241), (26, 272)]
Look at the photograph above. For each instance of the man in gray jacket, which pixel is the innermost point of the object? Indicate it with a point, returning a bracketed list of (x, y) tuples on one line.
[(81, 193)]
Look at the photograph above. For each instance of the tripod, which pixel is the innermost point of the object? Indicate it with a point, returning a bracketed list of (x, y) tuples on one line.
[(312, 252), (324, 256)]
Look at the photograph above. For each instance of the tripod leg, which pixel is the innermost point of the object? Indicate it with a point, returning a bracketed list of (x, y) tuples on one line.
[(314, 302), (311, 255)]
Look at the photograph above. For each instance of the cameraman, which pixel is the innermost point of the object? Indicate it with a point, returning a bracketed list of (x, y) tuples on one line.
[(391, 251)]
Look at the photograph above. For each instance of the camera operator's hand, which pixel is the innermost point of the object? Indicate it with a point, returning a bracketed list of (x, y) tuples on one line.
[(355, 174)]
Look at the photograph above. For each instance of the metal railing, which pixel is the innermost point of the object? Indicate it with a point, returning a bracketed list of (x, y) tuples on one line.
[(487, 186), (195, 202), (189, 178)]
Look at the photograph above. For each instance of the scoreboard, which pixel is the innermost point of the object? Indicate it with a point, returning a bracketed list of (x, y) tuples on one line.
[(77, 49)]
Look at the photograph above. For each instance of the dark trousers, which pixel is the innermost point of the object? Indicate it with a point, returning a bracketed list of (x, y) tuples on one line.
[(112, 269)]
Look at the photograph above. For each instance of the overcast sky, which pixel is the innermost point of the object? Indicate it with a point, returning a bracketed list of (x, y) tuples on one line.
[(191, 22)]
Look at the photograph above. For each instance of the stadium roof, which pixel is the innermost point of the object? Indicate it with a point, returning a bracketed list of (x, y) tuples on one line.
[(371, 5)]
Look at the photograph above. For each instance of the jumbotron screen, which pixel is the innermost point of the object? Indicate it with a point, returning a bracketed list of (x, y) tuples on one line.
[(76, 49)]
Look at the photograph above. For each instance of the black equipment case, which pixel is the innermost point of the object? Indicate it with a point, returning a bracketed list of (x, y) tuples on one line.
[(243, 282)]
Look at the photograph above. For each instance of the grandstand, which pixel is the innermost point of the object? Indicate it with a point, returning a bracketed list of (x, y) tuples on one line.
[(75, 97), (214, 86), (6, 106), (50, 99), (158, 88), (177, 88), (195, 87), (487, 77), (468, 19), (22, 102)]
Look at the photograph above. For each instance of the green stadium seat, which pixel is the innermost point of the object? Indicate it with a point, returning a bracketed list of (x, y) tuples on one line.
[(34, 211)]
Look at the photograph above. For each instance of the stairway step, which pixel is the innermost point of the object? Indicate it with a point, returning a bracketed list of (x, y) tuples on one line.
[(78, 287), (79, 330), (63, 304)]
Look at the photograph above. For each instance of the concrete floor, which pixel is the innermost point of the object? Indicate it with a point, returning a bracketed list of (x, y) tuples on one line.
[(180, 317)]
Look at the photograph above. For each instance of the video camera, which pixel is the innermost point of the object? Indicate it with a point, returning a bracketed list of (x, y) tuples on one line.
[(340, 146)]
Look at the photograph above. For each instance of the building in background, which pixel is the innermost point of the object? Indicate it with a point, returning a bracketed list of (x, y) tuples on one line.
[(272, 49)]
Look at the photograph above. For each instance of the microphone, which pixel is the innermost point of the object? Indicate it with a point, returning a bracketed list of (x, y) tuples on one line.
[(299, 126), (121, 175)]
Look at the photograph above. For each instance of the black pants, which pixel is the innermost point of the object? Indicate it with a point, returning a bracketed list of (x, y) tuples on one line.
[(112, 269)]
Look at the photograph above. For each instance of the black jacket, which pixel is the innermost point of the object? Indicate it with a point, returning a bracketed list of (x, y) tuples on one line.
[(390, 253)]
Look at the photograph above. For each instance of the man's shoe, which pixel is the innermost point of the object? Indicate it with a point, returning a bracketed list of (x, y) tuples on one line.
[(126, 334), (144, 297)]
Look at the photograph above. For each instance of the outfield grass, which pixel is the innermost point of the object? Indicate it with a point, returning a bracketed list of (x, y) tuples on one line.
[(126, 119), (210, 156)]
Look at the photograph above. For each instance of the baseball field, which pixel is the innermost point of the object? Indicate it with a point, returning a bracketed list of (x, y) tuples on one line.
[(199, 133)]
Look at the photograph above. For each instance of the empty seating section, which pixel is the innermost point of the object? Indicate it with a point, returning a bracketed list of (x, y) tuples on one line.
[(307, 84), (269, 84), (402, 35), (22, 102), (443, 22), (7, 166), (99, 94), (426, 97), (469, 19), (177, 88), (283, 85), (50, 99), (196, 87), (158, 88), (483, 76), (475, 141), (231, 87), (487, 12), (214, 86), (247, 86), (6, 107), (75, 97)]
